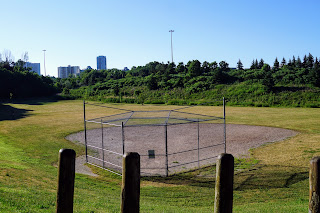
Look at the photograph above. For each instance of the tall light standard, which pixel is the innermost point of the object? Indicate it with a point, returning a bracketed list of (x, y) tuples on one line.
[(44, 62), (171, 31)]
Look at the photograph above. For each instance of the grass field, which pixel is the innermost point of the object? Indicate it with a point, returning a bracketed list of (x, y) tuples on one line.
[(274, 179)]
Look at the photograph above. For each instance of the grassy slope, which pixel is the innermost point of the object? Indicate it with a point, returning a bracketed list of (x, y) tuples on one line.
[(29, 151)]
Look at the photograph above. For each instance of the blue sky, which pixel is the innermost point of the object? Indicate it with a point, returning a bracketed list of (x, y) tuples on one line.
[(133, 33)]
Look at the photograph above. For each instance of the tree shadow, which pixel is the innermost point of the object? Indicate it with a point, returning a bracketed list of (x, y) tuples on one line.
[(270, 176), (8, 112), (288, 88), (257, 177), (35, 101)]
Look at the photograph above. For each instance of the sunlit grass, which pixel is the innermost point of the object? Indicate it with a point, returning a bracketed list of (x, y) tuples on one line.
[(274, 179)]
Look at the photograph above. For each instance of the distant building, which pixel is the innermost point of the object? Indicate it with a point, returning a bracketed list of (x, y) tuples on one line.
[(101, 63), (35, 67), (64, 72), (125, 69), (88, 68)]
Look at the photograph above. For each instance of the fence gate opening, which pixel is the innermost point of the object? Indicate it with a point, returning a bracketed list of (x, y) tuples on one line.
[(168, 141)]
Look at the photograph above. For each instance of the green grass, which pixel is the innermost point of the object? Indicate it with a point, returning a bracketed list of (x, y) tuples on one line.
[(273, 179)]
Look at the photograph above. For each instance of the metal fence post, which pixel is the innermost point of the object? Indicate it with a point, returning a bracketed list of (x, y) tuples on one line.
[(66, 174), (130, 189), (224, 184), (166, 143), (102, 145), (198, 144), (85, 129), (314, 185), (122, 137)]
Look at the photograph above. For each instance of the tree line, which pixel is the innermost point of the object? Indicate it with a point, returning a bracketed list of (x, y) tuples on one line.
[(163, 82), (16, 81), (292, 82)]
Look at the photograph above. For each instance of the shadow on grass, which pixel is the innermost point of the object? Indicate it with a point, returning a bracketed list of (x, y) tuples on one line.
[(257, 177), (8, 112), (35, 101), (270, 176)]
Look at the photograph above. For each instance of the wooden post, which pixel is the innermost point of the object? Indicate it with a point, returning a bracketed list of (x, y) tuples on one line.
[(66, 174), (130, 189), (314, 185), (224, 184)]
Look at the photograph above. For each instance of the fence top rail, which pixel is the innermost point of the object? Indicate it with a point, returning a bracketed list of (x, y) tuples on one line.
[(210, 116), (99, 105), (136, 118), (186, 107), (106, 123), (108, 116), (170, 124)]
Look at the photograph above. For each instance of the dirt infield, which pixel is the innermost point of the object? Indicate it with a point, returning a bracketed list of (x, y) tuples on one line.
[(182, 144)]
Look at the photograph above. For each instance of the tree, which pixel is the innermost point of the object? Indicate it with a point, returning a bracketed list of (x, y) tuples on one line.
[(253, 65), (314, 75), (239, 65), (305, 62), (224, 66), (152, 83), (181, 68), (276, 64), (316, 62), (267, 79), (25, 57), (261, 63), (283, 62), (298, 63), (213, 65), (8, 56), (20, 64), (194, 68), (293, 61), (116, 90), (310, 61), (206, 67)]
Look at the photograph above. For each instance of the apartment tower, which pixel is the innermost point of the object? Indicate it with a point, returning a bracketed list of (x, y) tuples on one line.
[(101, 63)]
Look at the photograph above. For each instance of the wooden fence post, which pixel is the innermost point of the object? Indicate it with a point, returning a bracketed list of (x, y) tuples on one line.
[(314, 185), (224, 184), (130, 189), (66, 174)]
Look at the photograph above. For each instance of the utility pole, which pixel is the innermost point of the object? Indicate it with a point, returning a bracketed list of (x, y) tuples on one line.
[(44, 62), (171, 31)]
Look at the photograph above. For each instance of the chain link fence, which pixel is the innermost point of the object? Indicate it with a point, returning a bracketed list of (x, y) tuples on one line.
[(168, 141)]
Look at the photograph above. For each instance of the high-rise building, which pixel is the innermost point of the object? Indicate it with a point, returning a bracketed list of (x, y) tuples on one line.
[(35, 67), (64, 72), (101, 62)]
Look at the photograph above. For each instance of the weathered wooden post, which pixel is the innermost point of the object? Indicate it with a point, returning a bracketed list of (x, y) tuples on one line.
[(66, 174), (314, 185), (224, 184), (130, 189)]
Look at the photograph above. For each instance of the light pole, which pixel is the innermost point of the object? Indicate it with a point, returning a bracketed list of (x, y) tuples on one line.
[(44, 62), (171, 31)]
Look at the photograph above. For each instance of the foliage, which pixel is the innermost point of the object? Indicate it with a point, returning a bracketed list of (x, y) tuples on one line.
[(291, 84), (18, 82)]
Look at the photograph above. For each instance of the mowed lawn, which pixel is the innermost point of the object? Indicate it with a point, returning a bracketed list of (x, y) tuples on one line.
[(31, 134)]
